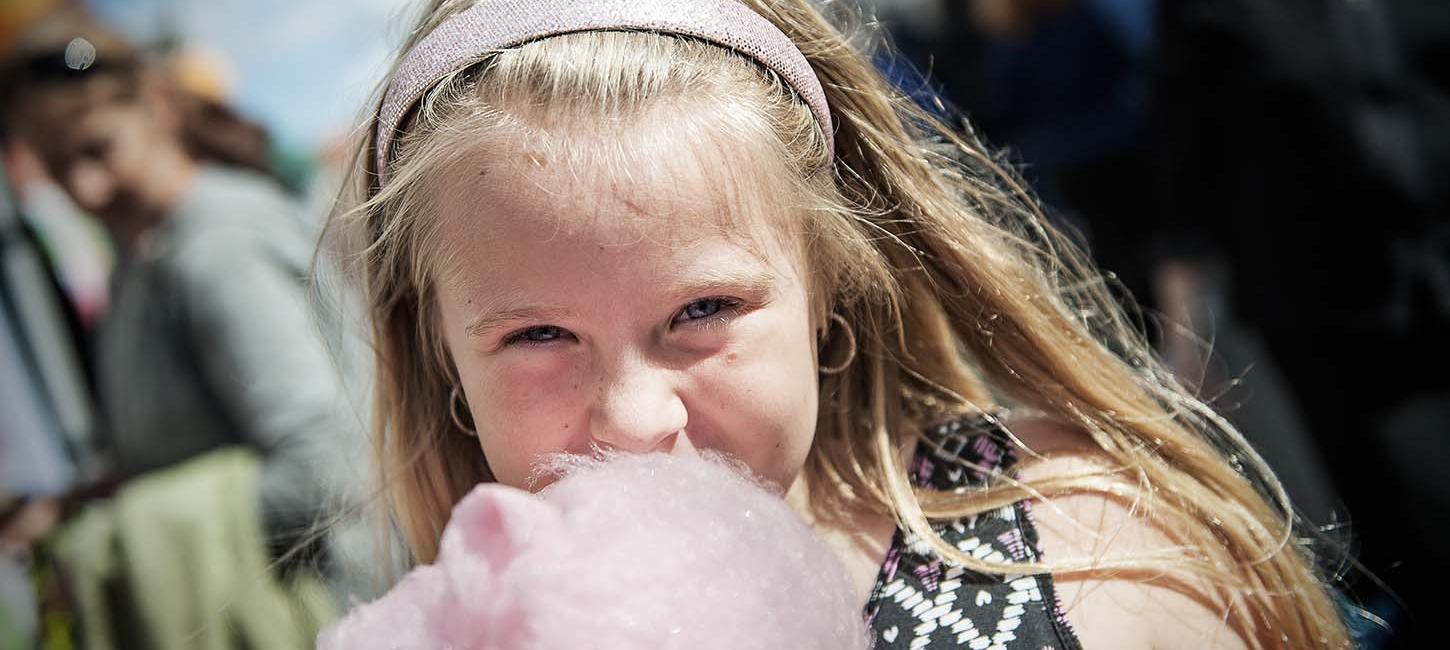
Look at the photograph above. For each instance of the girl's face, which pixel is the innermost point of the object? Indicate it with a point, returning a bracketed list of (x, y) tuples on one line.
[(625, 311)]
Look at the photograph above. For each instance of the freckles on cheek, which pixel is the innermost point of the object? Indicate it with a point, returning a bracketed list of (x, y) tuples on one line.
[(762, 411), (528, 415)]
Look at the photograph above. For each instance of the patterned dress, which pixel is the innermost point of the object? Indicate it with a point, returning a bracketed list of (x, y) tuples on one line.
[(921, 601)]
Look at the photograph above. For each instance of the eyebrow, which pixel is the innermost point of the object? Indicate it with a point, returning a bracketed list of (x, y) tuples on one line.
[(489, 320), (755, 283), (752, 284)]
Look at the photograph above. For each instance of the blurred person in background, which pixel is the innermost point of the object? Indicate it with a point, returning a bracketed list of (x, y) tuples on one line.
[(1307, 143), (74, 244), (46, 421), (209, 343), (1066, 85), (1285, 206)]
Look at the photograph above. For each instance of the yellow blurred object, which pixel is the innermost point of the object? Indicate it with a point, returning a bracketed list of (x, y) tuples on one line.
[(16, 15), (204, 73)]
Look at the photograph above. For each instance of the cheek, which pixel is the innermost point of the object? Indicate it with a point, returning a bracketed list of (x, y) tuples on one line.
[(523, 413), (132, 159), (758, 403), (518, 409)]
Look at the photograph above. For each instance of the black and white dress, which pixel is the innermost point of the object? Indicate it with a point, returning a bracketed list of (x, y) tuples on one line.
[(921, 601)]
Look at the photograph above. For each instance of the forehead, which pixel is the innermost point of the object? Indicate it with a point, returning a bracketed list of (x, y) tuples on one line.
[(679, 195)]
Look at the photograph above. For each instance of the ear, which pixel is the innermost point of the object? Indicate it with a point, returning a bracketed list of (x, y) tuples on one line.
[(494, 525)]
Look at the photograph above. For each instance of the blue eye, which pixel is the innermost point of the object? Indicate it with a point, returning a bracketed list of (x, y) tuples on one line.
[(705, 308), (537, 335)]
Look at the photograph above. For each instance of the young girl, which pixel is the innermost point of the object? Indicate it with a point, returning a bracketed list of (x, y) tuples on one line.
[(669, 225)]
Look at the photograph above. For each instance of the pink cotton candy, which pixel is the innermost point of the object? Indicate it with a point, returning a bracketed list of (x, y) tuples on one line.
[(645, 551)]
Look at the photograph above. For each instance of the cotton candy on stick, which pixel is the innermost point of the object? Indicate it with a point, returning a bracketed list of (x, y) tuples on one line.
[(645, 551)]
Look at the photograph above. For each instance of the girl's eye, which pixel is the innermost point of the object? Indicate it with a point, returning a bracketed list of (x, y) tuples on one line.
[(706, 308), (536, 335)]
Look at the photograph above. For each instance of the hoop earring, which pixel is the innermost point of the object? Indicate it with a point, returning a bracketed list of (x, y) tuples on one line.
[(850, 356), (454, 399)]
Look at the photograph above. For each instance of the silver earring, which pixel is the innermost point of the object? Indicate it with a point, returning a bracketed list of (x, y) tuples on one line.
[(454, 400), (850, 356)]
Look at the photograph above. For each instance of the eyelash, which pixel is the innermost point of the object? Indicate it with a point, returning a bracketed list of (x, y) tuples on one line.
[(729, 308), (517, 338)]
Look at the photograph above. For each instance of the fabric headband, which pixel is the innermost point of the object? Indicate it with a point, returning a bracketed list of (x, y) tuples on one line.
[(492, 25)]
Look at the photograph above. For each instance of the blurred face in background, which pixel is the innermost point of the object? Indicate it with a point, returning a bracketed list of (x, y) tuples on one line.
[(116, 150)]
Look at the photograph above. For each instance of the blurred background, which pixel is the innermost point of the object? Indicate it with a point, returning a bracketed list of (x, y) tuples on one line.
[(181, 418)]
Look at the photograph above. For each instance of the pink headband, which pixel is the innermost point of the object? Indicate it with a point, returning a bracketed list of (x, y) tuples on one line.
[(493, 25)]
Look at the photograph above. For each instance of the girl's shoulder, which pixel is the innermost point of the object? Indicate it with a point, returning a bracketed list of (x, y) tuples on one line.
[(922, 601), (1129, 608), (919, 596)]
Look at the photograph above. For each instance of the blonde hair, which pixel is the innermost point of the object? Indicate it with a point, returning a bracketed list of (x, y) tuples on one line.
[(956, 289)]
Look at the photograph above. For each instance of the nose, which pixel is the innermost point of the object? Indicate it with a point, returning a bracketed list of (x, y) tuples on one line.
[(638, 409)]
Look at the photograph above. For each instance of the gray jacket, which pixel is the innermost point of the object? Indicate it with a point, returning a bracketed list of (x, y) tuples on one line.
[(209, 341)]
